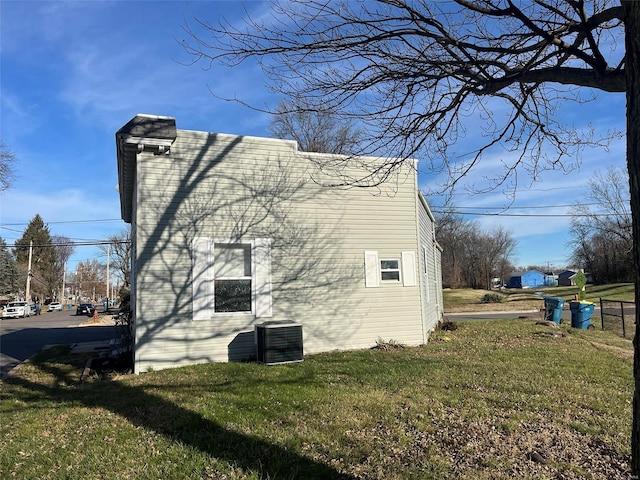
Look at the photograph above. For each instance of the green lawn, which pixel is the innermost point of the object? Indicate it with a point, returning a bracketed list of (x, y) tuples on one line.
[(466, 299), (478, 402)]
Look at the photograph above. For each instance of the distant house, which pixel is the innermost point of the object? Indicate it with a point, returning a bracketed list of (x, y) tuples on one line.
[(530, 279), (230, 232), (567, 278), (550, 279)]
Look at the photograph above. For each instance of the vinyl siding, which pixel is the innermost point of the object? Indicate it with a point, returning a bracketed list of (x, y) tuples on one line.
[(228, 187), (432, 280)]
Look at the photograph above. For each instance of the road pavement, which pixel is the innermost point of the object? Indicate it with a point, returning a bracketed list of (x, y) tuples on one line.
[(22, 338)]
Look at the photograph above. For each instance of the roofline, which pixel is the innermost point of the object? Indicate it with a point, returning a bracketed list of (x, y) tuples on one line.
[(143, 132)]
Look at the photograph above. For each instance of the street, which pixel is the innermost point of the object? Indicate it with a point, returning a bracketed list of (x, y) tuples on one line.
[(629, 313), (21, 338)]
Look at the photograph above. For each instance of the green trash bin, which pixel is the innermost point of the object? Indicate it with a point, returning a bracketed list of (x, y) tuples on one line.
[(553, 309), (581, 314)]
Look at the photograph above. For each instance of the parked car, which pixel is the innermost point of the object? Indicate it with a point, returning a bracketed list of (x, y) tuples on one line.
[(85, 309), (55, 306), (17, 310)]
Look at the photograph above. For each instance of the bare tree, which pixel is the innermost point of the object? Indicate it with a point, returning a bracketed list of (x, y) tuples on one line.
[(89, 279), (64, 249), (453, 232), (414, 71), (610, 193), (471, 257), (314, 130), (7, 161), (119, 248), (496, 248), (602, 240)]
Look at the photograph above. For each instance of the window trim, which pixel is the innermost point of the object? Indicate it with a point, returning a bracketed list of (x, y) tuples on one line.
[(251, 277), (426, 274), (203, 278), (407, 265)]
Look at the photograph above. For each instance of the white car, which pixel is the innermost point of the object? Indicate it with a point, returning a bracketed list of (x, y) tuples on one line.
[(16, 310), (55, 306)]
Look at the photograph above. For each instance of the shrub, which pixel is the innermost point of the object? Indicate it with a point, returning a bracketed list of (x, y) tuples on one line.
[(387, 345), (448, 325), (491, 298)]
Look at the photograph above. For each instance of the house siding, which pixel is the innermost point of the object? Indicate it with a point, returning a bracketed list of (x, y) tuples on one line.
[(232, 187), (431, 275)]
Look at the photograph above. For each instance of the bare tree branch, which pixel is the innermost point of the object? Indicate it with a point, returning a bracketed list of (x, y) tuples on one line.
[(315, 131), (7, 161), (413, 73)]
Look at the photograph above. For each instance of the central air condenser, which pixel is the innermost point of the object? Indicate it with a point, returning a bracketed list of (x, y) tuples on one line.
[(279, 342)]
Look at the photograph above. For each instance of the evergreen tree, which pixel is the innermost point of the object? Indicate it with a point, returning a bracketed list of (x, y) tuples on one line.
[(8, 271), (43, 261)]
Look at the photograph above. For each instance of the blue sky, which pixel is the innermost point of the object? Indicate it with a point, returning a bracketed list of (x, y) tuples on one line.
[(72, 73)]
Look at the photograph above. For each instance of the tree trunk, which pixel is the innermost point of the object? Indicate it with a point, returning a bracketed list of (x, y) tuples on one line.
[(632, 68)]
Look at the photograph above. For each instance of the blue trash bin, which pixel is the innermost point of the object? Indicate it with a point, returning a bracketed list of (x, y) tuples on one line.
[(581, 314), (553, 309)]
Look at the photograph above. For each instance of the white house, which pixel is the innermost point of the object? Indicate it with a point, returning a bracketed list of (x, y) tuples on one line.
[(230, 232)]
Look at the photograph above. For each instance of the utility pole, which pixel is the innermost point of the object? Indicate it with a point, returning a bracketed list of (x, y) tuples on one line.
[(78, 286), (108, 258), (64, 279), (28, 287)]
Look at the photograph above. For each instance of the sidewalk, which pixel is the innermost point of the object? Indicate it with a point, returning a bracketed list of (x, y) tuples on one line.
[(108, 346)]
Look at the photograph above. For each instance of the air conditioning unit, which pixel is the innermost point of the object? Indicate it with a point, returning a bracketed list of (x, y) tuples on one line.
[(278, 342)]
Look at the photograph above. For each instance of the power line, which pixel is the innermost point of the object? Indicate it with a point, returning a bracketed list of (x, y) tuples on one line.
[(513, 207), (62, 222), (531, 215), (11, 229), (73, 244)]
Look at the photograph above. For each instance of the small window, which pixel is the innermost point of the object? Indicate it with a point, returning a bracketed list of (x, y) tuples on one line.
[(390, 270)]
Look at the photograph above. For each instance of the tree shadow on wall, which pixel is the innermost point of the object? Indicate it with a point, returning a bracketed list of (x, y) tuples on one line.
[(210, 196)]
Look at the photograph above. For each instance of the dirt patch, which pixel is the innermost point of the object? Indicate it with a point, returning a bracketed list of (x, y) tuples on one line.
[(542, 448), (618, 351), (519, 306)]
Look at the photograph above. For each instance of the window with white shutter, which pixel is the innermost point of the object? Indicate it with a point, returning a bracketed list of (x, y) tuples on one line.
[(231, 278), (390, 270)]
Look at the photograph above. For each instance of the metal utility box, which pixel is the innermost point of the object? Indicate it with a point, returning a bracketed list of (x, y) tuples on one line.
[(279, 342)]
